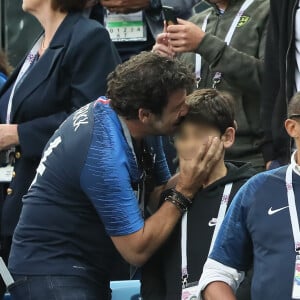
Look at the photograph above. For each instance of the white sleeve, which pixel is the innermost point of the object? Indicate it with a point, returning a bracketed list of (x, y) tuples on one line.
[(215, 271)]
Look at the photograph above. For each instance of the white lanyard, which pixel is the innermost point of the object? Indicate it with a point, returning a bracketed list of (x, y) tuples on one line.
[(28, 61), (292, 207), (221, 216), (198, 56), (228, 39)]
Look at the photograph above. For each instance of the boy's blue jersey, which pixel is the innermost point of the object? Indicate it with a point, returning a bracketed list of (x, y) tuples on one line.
[(257, 229)]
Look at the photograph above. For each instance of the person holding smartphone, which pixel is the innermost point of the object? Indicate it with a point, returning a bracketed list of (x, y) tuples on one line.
[(224, 45)]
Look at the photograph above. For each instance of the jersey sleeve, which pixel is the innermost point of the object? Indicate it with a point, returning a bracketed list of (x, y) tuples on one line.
[(233, 246), (106, 181)]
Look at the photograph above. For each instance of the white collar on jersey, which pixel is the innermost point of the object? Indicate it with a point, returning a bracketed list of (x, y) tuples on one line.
[(295, 166)]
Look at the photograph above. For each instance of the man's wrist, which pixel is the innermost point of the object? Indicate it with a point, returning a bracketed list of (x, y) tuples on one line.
[(187, 192), (173, 196)]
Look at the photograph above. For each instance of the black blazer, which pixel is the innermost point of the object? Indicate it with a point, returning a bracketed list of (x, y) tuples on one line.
[(71, 73), (279, 79)]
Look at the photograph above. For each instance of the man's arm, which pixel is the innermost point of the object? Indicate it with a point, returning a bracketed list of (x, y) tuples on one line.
[(136, 248), (218, 291)]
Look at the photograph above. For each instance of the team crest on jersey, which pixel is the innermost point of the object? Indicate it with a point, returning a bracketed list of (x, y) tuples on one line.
[(243, 21)]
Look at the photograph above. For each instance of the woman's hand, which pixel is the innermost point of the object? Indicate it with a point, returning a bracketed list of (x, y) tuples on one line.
[(8, 136)]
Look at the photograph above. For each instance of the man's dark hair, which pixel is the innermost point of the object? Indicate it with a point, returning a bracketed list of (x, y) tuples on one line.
[(294, 106), (68, 5), (146, 81), (211, 107)]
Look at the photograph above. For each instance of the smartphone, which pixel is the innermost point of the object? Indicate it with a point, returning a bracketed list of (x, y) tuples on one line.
[(169, 15)]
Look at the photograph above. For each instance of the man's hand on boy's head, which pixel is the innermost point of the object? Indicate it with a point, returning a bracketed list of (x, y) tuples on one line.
[(196, 163)]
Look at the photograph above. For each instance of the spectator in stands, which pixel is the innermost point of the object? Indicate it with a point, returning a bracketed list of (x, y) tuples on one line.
[(76, 215), (66, 68), (210, 113), (148, 12), (282, 79), (5, 68), (261, 229), (225, 46)]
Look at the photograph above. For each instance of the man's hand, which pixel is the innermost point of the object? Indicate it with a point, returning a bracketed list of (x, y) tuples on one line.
[(184, 37), (8, 136), (195, 163), (125, 6), (162, 47)]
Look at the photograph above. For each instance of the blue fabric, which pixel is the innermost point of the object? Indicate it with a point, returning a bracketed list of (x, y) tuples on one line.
[(3, 79), (81, 195), (109, 170), (57, 287), (249, 234)]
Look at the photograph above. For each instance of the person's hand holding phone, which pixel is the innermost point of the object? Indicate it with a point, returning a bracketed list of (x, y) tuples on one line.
[(162, 46), (184, 37)]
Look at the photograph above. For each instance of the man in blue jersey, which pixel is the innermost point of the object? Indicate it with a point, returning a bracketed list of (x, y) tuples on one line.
[(261, 229), (82, 208)]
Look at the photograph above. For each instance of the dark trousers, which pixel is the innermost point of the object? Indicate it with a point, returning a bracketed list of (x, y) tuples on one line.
[(57, 288)]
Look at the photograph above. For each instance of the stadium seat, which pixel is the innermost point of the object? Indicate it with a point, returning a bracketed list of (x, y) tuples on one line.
[(125, 290)]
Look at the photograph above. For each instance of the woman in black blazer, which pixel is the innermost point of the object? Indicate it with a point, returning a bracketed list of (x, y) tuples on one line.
[(66, 68)]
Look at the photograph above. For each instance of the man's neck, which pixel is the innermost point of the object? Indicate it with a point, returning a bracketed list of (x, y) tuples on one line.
[(218, 172), (135, 129)]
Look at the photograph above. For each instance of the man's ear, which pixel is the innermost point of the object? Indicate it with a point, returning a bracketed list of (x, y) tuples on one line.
[(144, 115), (228, 137), (293, 128)]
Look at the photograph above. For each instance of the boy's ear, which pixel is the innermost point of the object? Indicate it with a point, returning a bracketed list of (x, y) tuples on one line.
[(293, 128), (228, 137)]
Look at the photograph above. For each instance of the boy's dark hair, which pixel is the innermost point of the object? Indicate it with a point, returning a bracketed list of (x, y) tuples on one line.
[(211, 107), (69, 5), (294, 105), (146, 81)]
